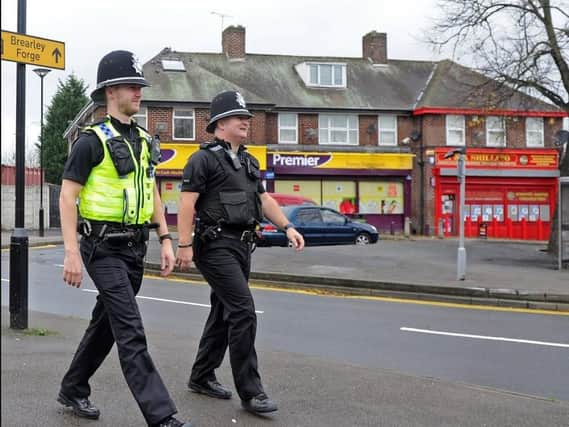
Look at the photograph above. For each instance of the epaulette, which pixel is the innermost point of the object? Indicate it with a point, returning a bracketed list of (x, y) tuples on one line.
[(96, 122), (211, 146)]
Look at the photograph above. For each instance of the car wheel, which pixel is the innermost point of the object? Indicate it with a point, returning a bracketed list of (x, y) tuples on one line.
[(362, 239)]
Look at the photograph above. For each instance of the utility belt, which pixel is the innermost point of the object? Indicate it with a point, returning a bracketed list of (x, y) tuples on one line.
[(114, 231), (209, 233)]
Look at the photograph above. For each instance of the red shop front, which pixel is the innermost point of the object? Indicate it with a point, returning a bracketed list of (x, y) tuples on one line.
[(509, 193)]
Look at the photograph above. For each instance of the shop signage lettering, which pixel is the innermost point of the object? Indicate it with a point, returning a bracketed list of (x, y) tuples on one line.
[(304, 161)]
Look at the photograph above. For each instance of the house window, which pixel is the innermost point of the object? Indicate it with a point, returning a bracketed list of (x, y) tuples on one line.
[(495, 132), (387, 130), (183, 124), (288, 128), (534, 131), (141, 117), (455, 130), (327, 75), (338, 129)]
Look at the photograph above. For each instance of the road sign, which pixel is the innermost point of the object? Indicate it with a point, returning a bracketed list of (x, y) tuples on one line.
[(33, 50)]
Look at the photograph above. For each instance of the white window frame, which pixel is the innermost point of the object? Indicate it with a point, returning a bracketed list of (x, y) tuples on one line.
[(138, 117), (381, 130), (329, 129), (192, 117), (539, 132), (490, 131), (283, 127), (319, 78), (455, 129)]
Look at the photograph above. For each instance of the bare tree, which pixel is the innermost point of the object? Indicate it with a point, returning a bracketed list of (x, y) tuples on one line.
[(522, 44)]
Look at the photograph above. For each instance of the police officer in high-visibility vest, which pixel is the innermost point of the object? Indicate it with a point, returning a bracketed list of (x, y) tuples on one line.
[(110, 170), (222, 190)]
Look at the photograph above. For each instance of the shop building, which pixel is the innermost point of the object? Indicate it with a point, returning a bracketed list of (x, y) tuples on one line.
[(351, 133), (509, 194)]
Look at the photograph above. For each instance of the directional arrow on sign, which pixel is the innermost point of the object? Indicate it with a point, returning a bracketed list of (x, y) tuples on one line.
[(56, 54)]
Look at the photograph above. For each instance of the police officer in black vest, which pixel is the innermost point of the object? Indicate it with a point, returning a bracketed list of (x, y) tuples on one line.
[(223, 192), (111, 171)]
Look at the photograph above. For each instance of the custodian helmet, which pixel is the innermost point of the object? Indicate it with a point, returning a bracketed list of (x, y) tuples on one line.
[(226, 104), (116, 68)]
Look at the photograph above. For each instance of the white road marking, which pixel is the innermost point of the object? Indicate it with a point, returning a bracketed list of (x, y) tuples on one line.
[(169, 300), (484, 337), (58, 265), (5, 280)]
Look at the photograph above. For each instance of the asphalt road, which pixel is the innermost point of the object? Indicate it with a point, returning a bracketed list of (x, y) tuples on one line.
[(516, 351)]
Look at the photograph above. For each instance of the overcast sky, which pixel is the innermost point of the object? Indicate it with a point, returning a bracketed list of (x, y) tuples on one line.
[(296, 27)]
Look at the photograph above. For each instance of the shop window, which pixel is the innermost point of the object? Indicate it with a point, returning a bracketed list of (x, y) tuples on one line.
[(338, 129), (169, 194), (310, 189), (387, 130), (523, 212), (141, 117), (183, 124), (513, 212), (455, 130), (534, 131), (380, 197), (288, 128), (544, 213), (499, 212), (495, 131), (339, 195)]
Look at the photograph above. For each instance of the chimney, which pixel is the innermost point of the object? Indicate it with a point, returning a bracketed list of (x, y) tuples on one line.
[(375, 47), (233, 42)]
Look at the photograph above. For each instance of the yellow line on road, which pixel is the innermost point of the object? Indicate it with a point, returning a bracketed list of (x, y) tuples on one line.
[(34, 247), (337, 294)]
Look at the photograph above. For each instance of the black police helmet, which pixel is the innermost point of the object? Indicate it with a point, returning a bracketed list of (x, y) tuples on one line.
[(226, 104), (117, 68)]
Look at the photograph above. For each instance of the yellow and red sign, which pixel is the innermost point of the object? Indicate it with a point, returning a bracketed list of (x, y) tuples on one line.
[(508, 159)]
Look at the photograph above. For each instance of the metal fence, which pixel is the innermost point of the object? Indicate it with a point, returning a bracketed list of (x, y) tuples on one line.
[(563, 255), (54, 221)]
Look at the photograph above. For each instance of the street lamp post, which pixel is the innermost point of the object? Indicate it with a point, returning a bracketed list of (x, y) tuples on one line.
[(42, 72), (461, 254)]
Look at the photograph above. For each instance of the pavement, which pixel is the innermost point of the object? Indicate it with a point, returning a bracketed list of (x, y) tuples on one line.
[(499, 272), (311, 391)]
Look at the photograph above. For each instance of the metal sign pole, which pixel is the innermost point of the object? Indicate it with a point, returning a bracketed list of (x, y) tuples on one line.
[(19, 240)]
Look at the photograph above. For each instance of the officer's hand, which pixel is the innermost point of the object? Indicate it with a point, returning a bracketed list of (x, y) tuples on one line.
[(72, 273), (184, 258), (295, 238), (167, 258)]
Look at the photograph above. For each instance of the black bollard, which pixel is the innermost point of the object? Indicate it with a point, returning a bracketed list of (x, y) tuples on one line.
[(19, 279)]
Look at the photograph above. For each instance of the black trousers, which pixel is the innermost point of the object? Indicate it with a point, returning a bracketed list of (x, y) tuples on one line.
[(225, 263), (117, 269)]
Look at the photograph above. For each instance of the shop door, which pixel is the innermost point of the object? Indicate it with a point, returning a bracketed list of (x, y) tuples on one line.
[(448, 213)]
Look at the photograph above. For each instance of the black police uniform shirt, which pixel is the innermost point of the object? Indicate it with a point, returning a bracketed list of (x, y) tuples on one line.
[(203, 174), (87, 151)]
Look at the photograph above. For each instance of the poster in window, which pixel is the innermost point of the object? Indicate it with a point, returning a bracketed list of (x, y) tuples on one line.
[(310, 189), (513, 212), (524, 212), (499, 212), (170, 193), (533, 213), (380, 197), (339, 195), (486, 212), (476, 212)]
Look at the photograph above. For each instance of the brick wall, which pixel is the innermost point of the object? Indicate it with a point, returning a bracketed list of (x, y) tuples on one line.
[(308, 129)]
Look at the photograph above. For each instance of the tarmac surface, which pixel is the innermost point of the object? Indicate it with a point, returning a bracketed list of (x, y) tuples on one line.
[(498, 272), (311, 391)]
